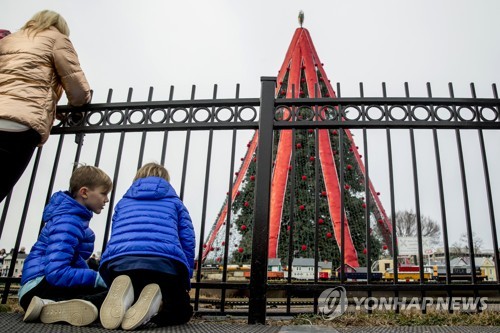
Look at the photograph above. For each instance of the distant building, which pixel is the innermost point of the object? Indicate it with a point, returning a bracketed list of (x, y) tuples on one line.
[(18, 268), (274, 265), (303, 268)]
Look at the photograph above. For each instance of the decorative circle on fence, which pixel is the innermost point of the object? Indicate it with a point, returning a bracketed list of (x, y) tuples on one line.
[(488, 113), (375, 112), (116, 117), (443, 113), (465, 111), (352, 112), (282, 113), (197, 113), (398, 112), (136, 116), (96, 118), (242, 113), (328, 112), (158, 116), (224, 114), (421, 113), (176, 115), (304, 113)]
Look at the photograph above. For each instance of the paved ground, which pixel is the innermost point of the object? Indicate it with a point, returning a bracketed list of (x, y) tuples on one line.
[(12, 323)]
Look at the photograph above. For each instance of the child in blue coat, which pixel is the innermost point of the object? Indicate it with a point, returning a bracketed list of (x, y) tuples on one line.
[(149, 258), (57, 284)]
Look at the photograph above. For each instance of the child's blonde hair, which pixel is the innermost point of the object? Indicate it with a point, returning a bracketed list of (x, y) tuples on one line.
[(45, 19), (152, 170), (89, 176)]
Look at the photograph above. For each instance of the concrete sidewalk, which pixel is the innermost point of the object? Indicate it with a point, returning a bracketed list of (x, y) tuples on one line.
[(12, 323)]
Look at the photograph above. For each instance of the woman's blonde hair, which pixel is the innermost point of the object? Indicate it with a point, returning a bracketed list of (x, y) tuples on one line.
[(45, 19), (152, 170)]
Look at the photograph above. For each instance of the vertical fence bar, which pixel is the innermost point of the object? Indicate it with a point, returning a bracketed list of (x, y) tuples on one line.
[(417, 200), (21, 224), (291, 220), (101, 135), (442, 204), (204, 209), (165, 133), (491, 209), (144, 133), (342, 276), (465, 193), (392, 200), (52, 176), (115, 177), (229, 211), (316, 110), (186, 147), (260, 237)]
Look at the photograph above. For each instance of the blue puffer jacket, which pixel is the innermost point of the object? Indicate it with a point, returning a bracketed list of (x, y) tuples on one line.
[(64, 245), (151, 220)]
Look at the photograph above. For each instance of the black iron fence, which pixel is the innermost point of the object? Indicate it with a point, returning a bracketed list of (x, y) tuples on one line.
[(431, 155)]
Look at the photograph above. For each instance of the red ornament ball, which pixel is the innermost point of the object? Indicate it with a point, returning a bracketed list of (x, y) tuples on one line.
[(349, 167), (321, 221), (365, 251), (328, 235), (385, 247), (302, 207), (310, 131), (334, 132), (246, 204), (347, 186), (304, 177), (312, 158), (304, 247), (298, 145), (363, 205), (243, 227), (240, 250), (252, 177), (323, 193)]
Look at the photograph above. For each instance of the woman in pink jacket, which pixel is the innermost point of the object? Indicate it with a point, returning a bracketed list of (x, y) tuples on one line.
[(36, 64)]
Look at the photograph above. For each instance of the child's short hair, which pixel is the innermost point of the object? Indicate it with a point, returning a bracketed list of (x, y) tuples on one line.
[(152, 170), (89, 176)]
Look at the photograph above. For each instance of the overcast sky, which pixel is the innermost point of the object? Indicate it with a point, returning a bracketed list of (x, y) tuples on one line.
[(159, 43)]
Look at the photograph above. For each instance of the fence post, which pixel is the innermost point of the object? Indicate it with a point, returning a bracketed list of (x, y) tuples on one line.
[(260, 237)]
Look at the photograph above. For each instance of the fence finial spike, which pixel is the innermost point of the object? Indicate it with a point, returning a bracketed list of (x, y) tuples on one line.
[(301, 18)]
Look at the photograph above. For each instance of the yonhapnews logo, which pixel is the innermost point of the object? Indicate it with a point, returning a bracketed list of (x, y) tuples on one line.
[(332, 302)]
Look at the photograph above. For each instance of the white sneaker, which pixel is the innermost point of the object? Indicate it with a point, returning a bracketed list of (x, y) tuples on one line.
[(118, 300), (76, 312), (144, 309), (35, 308)]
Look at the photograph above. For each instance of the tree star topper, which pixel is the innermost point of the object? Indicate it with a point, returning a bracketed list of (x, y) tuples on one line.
[(301, 18)]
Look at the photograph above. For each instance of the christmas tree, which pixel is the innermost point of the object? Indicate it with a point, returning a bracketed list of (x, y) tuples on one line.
[(294, 190)]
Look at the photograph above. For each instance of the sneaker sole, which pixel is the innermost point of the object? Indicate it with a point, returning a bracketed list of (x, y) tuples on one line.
[(147, 306), (34, 309), (119, 298), (75, 312)]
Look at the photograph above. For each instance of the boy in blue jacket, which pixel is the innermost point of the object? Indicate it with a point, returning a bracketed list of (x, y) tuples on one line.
[(150, 255), (57, 284)]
